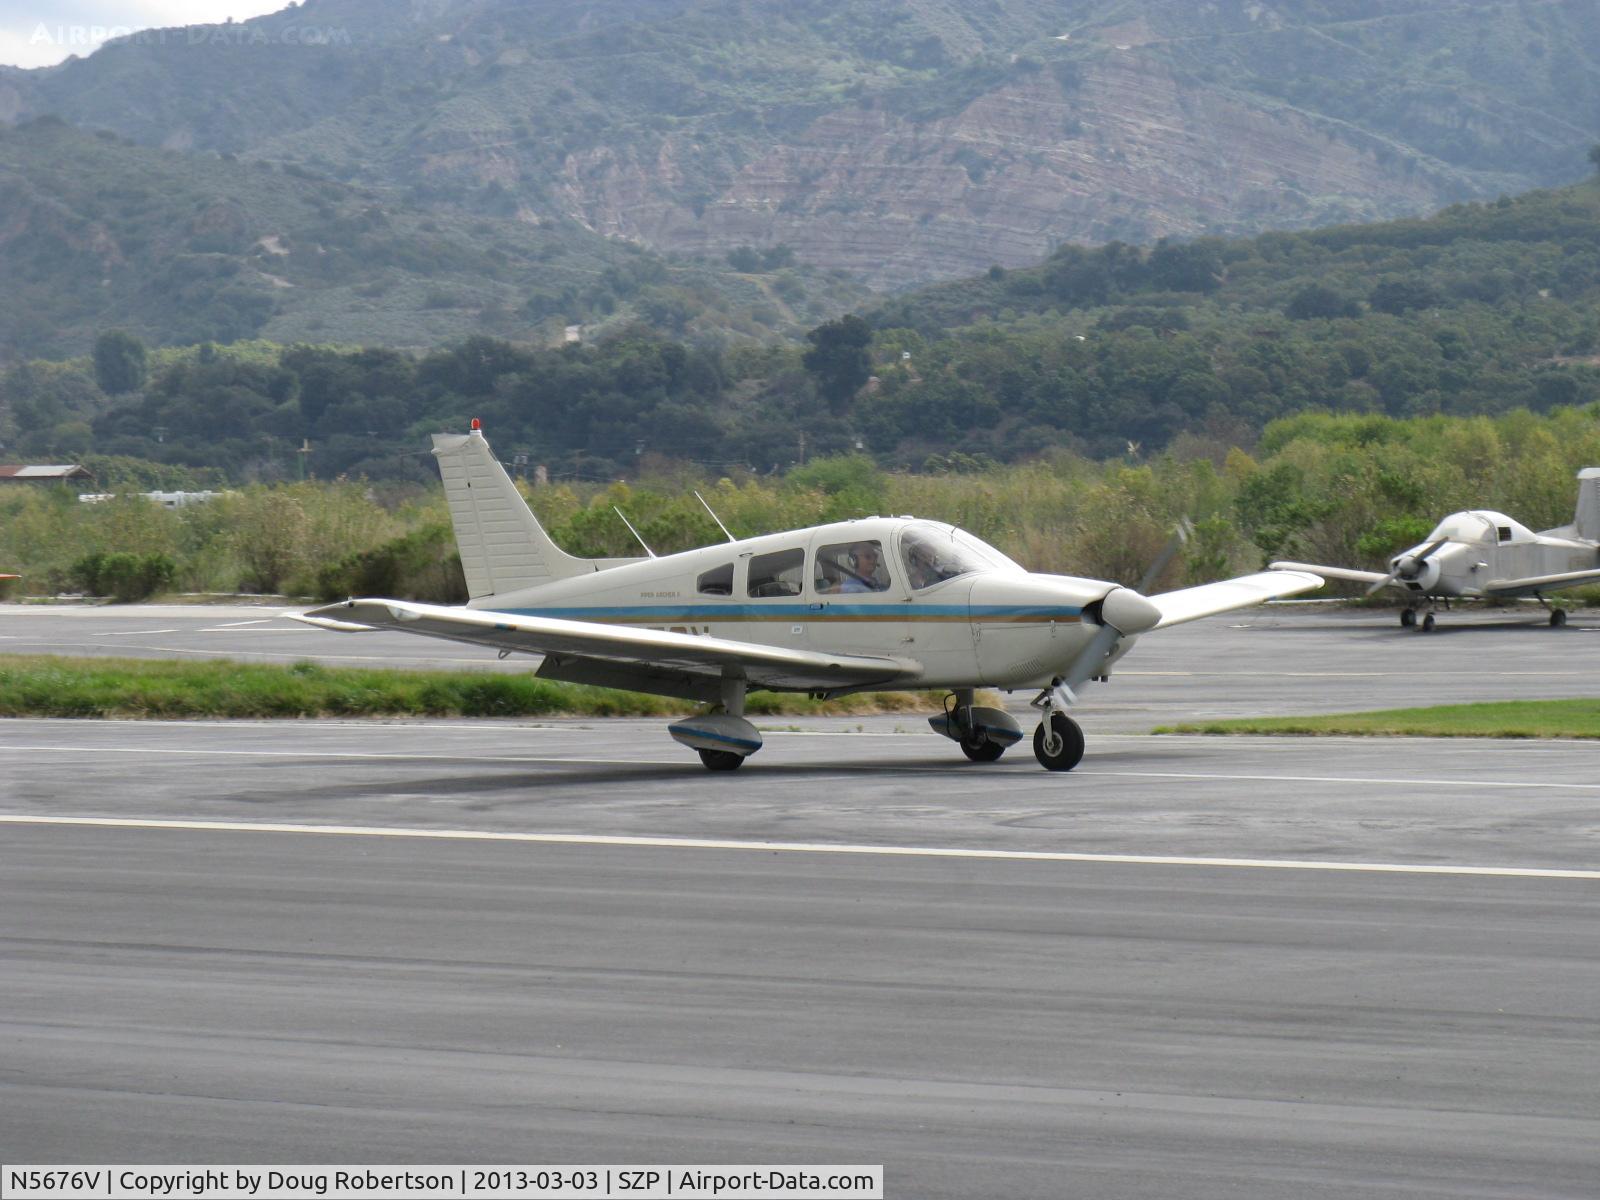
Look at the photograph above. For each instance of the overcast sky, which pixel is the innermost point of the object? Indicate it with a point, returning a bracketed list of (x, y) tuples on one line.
[(36, 33)]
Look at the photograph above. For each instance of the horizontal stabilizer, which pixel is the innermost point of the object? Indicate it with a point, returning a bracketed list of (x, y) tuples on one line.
[(1208, 599)]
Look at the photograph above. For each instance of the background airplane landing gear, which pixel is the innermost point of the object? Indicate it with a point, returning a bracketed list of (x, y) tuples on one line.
[(1427, 623), (1558, 617), (1058, 742), (1408, 617), (721, 760)]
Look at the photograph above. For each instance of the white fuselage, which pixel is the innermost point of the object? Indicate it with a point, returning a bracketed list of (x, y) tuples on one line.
[(994, 624), (1484, 548)]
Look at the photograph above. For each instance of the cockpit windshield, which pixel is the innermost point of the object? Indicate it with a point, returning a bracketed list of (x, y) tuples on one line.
[(1463, 527), (933, 555)]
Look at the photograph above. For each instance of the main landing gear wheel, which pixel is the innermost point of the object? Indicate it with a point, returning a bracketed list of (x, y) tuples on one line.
[(1558, 617), (1427, 623), (1408, 617), (1060, 747), (981, 749), (721, 760)]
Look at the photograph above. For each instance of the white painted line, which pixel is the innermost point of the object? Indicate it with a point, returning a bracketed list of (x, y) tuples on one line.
[(583, 839), (353, 754), (237, 629), (1359, 779), (239, 624), (137, 632)]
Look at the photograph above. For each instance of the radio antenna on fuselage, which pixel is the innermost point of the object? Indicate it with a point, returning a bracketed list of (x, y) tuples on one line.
[(714, 517), (634, 531)]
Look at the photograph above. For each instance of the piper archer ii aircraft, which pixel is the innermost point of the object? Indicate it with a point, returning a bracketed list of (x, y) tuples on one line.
[(1479, 553), (880, 603)]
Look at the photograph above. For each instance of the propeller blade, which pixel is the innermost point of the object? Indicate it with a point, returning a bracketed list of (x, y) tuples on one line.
[(1180, 536), (1087, 663), (1383, 583), (1121, 613), (1432, 546)]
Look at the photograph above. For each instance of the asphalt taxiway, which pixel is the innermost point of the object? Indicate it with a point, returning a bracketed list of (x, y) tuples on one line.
[(1200, 967)]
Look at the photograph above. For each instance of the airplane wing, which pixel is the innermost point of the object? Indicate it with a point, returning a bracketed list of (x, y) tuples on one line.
[(1349, 573), (1190, 604), (1535, 582), (620, 655)]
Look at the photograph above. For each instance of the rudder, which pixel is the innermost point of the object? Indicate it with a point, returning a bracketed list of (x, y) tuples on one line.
[(1586, 520), (503, 546)]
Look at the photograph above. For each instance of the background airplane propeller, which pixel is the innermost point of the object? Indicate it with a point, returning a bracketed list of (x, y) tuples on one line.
[(1408, 566)]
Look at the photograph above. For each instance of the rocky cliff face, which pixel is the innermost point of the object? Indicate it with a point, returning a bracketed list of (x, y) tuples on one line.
[(1129, 152)]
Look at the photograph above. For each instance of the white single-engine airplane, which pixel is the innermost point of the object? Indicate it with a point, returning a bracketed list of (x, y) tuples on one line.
[(880, 603), (1481, 554)]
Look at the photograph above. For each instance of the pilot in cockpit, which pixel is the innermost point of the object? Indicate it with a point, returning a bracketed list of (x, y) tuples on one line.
[(866, 569)]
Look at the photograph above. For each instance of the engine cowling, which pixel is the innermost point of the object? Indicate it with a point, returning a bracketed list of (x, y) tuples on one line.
[(1417, 573)]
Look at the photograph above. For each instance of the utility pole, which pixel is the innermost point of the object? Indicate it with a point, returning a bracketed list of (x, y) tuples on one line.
[(303, 452)]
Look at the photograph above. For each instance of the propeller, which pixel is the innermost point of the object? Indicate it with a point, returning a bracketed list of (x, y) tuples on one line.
[(1180, 537), (1120, 613), (1407, 566)]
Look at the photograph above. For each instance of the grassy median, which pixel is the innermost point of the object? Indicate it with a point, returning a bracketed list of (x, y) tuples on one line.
[(1503, 719), (50, 686)]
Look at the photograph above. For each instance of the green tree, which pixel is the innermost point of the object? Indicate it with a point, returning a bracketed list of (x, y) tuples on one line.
[(118, 362), (1314, 301), (838, 359)]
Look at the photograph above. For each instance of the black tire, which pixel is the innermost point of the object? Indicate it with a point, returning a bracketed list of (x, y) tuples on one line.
[(1408, 617), (982, 750), (1558, 617), (1071, 752), (1427, 623), (721, 760)]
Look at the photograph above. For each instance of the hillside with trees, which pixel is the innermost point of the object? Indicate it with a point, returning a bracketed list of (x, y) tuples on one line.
[(98, 232), (900, 140), (1110, 352)]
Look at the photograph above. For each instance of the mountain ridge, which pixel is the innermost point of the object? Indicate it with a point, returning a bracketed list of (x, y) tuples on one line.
[(904, 141)]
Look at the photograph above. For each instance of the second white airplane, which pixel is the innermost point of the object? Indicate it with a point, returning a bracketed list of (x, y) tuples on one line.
[(876, 604)]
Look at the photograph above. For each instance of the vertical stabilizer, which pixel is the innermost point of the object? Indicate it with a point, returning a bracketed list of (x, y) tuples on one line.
[(1587, 519), (503, 546)]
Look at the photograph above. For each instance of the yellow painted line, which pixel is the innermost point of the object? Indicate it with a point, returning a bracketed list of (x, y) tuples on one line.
[(582, 839)]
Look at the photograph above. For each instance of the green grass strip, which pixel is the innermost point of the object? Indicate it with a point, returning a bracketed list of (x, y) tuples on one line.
[(1502, 719), (51, 686)]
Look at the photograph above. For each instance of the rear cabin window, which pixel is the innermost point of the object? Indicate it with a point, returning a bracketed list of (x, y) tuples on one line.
[(1505, 533), (716, 582), (776, 574), (852, 567)]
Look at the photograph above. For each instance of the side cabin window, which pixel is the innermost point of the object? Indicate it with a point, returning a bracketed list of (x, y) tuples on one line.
[(852, 567), (777, 574), (1505, 533), (716, 582)]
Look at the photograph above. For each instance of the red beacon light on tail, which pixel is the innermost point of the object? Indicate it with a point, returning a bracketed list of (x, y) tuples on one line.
[(477, 425)]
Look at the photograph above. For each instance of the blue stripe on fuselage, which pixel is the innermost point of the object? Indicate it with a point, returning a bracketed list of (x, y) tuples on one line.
[(652, 613)]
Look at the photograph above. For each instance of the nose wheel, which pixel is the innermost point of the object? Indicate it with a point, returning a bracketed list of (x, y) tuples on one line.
[(1058, 742)]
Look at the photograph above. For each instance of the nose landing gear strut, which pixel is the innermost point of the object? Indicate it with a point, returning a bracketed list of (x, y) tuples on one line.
[(1058, 742)]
